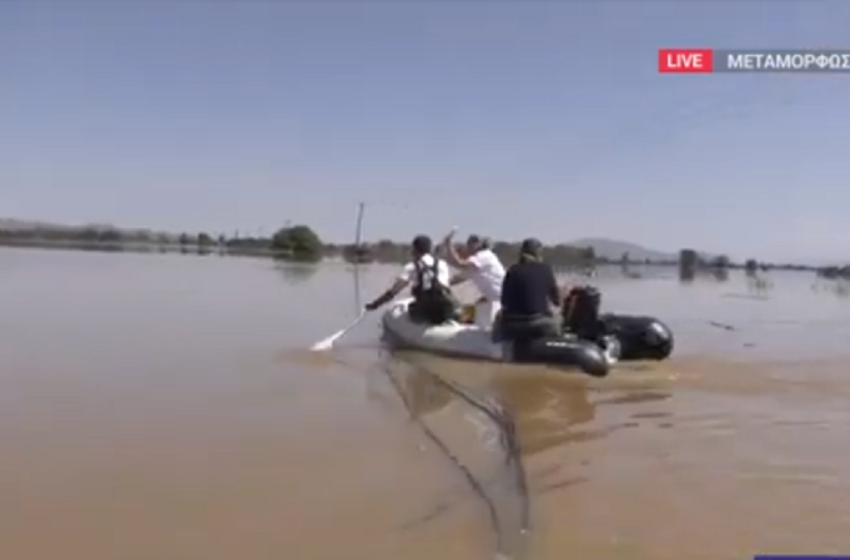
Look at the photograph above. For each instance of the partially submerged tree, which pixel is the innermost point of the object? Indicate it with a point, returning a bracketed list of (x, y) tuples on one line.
[(297, 242)]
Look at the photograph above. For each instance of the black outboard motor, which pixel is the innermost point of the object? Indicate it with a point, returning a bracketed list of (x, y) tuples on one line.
[(641, 338), (638, 338), (580, 313), (580, 319)]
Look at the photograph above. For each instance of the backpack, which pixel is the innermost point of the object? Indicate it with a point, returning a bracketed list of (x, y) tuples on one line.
[(433, 300)]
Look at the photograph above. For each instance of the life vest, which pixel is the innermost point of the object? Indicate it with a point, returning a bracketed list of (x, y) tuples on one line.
[(433, 300)]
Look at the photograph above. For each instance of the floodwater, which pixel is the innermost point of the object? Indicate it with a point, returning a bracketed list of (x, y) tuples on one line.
[(164, 407)]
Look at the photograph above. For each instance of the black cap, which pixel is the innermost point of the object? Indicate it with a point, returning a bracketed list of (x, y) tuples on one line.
[(422, 244), (531, 247)]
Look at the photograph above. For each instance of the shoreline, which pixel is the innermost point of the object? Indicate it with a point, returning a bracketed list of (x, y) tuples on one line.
[(217, 249)]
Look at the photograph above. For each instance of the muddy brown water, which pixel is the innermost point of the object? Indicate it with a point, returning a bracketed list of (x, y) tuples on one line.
[(156, 406)]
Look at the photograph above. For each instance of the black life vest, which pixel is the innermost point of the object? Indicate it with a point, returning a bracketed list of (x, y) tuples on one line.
[(427, 285), (433, 301)]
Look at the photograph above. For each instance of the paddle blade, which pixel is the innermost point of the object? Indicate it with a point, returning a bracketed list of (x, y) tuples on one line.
[(327, 343)]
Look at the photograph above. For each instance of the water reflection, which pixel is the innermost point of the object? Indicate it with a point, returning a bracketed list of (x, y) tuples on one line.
[(839, 288), (716, 274), (720, 274), (759, 284), (632, 274), (755, 288), (358, 292), (296, 273)]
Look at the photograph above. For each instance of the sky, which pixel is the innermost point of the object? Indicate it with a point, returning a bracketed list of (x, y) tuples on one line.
[(509, 119)]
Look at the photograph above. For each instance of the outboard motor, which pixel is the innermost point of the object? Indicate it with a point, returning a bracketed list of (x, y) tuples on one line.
[(580, 313), (641, 338), (580, 319), (622, 337)]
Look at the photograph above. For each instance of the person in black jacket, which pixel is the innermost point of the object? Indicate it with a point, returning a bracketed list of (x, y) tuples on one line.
[(530, 296)]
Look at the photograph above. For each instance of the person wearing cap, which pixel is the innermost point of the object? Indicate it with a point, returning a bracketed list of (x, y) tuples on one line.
[(530, 296), (480, 265), (430, 279)]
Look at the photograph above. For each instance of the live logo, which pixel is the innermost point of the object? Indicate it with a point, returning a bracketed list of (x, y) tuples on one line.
[(687, 61)]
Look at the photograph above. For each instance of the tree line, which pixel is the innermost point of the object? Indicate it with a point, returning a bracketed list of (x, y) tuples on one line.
[(296, 242), (302, 243)]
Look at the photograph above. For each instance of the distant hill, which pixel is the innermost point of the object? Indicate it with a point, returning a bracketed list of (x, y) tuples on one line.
[(13, 224), (613, 250)]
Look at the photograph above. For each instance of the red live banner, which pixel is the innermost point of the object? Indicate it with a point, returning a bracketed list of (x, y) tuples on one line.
[(685, 61)]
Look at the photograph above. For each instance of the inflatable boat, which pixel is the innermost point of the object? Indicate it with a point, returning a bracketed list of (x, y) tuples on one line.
[(613, 338)]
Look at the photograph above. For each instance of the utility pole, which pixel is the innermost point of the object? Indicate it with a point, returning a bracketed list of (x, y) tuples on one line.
[(358, 233)]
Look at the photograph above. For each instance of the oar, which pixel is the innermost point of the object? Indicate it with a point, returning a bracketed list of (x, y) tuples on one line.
[(327, 343), (440, 246)]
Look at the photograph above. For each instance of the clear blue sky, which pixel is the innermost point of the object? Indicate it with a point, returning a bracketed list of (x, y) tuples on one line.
[(510, 119)]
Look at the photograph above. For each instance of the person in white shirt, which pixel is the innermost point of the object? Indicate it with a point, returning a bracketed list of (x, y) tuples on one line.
[(480, 265), (429, 279)]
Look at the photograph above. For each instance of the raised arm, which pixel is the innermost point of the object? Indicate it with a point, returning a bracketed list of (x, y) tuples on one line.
[(454, 258)]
